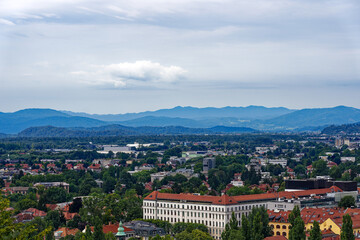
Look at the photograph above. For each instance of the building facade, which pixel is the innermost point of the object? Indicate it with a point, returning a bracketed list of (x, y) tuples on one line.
[(214, 211), (208, 163)]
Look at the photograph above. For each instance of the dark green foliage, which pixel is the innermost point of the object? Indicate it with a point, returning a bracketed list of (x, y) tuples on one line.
[(257, 227), (2, 183), (25, 204), (74, 223), (300, 169), (347, 230), (264, 219), (75, 205), (250, 177), (109, 184), (335, 172), (230, 227), (55, 219), (320, 168), (98, 231), (176, 151), (236, 191), (297, 227), (124, 208), (245, 227), (297, 231), (315, 233), (194, 235), (254, 227), (294, 214), (182, 226), (55, 195), (347, 202), (86, 185)]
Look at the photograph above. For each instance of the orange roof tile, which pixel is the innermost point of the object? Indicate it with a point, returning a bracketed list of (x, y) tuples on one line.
[(227, 200), (67, 231), (113, 228), (275, 238)]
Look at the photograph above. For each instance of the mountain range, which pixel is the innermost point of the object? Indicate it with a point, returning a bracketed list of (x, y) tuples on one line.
[(119, 130), (177, 120)]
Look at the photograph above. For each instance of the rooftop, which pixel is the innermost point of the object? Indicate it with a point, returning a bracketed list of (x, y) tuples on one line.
[(229, 200)]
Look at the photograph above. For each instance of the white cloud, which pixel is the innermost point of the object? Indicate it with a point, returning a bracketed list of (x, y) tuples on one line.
[(6, 22), (135, 74), (223, 11)]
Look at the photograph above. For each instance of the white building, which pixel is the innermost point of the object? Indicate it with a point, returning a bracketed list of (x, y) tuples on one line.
[(214, 211), (280, 161), (347, 159), (140, 145), (237, 183), (116, 149)]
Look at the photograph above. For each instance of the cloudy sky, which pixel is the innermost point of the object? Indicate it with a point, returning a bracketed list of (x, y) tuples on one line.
[(114, 56)]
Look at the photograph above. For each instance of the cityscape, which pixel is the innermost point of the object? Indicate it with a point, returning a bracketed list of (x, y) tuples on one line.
[(182, 186)]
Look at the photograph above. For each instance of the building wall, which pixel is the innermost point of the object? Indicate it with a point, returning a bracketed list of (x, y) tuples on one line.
[(215, 217), (280, 229), (330, 224)]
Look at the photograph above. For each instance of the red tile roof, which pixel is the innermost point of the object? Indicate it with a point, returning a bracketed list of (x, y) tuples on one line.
[(113, 228), (280, 216), (69, 216), (95, 166), (51, 206), (67, 231), (35, 212), (227, 200), (309, 215), (276, 238)]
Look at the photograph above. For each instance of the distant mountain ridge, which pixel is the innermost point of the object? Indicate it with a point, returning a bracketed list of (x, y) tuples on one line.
[(250, 112), (317, 117), (254, 117), (11, 124), (342, 129), (119, 130)]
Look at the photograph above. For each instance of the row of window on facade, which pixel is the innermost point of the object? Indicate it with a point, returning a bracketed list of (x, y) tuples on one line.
[(203, 208), (192, 214), (205, 222), (278, 226), (190, 207)]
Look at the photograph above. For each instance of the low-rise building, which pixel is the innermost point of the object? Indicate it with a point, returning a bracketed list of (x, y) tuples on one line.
[(159, 176), (280, 161), (347, 159), (53, 184), (144, 230), (12, 190)]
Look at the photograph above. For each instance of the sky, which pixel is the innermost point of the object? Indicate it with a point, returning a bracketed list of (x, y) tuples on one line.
[(114, 56)]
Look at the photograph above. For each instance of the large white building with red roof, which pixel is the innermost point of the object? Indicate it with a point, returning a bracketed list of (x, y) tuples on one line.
[(215, 211)]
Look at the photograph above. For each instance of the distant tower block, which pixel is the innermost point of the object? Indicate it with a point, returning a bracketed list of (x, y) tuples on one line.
[(208, 163)]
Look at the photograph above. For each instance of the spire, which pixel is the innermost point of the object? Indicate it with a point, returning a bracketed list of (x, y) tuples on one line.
[(120, 234)]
